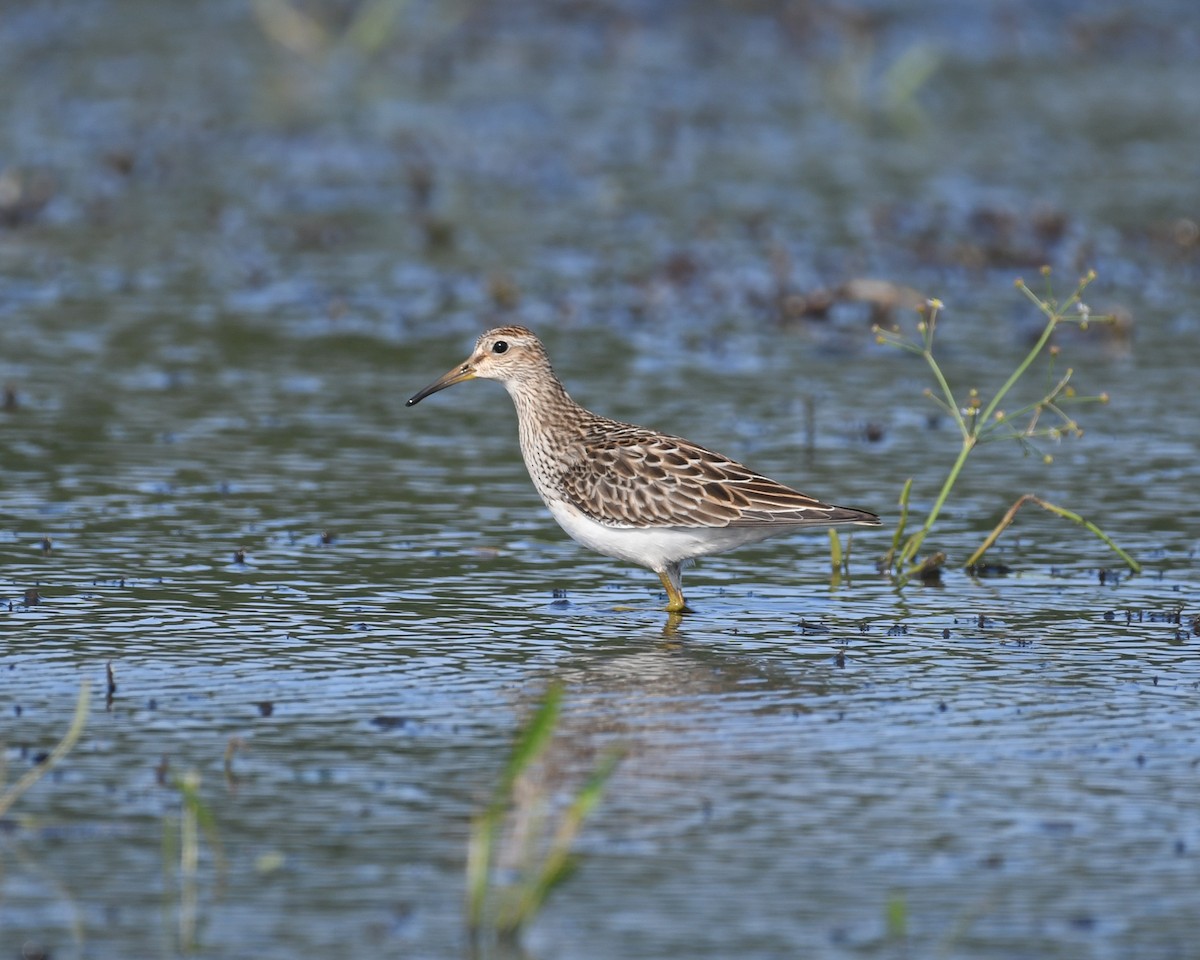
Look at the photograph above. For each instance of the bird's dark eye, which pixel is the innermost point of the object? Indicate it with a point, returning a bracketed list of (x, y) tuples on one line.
[(500, 346)]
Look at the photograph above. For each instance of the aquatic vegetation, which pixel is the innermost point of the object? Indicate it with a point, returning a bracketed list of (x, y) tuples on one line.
[(14, 793), (541, 865), (182, 847), (1011, 514), (9, 798), (980, 421), (370, 26), (864, 83), (896, 916), (839, 557)]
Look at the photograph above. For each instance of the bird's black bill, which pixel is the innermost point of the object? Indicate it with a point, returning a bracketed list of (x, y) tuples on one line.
[(421, 395), (457, 375)]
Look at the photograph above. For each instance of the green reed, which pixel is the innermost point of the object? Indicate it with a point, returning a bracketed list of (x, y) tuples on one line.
[(503, 910)]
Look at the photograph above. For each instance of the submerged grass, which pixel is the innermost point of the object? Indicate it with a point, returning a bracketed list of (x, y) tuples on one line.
[(504, 910), (980, 421)]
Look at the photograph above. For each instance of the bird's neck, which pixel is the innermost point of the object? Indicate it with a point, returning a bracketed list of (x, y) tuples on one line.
[(545, 411)]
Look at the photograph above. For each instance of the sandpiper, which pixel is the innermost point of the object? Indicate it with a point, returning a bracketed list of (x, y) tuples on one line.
[(627, 491)]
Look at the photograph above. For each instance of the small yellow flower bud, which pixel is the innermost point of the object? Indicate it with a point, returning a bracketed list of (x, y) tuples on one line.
[(1045, 271), (1047, 459)]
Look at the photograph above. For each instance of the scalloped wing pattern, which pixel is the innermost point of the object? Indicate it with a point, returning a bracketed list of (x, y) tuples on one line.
[(635, 477)]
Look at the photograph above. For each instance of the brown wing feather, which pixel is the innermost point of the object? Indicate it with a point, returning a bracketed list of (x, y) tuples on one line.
[(636, 477)]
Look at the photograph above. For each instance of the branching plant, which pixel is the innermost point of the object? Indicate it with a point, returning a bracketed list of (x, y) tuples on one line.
[(981, 420)]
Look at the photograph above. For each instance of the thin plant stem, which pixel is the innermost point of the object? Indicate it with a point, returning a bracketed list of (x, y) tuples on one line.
[(913, 544), (1011, 514), (189, 863), (64, 746), (181, 847), (951, 404)]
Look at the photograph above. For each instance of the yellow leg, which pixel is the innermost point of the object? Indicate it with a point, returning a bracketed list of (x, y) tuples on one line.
[(671, 581)]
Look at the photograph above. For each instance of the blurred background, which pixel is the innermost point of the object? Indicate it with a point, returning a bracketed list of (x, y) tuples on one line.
[(395, 169), (236, 235)]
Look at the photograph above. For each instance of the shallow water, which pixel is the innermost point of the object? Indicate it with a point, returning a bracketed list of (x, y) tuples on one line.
[(210, 327)]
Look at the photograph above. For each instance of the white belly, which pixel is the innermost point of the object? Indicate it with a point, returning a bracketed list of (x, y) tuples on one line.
[(655, 547)]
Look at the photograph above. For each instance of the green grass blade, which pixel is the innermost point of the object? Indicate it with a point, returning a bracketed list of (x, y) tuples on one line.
[(479, 864), (533, 739), (835, 550), (901, 523), (896, 916), (559, 862), (530, 742)]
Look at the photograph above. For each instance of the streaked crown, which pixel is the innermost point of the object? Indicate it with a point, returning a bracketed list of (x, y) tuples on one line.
[(509, 354)]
